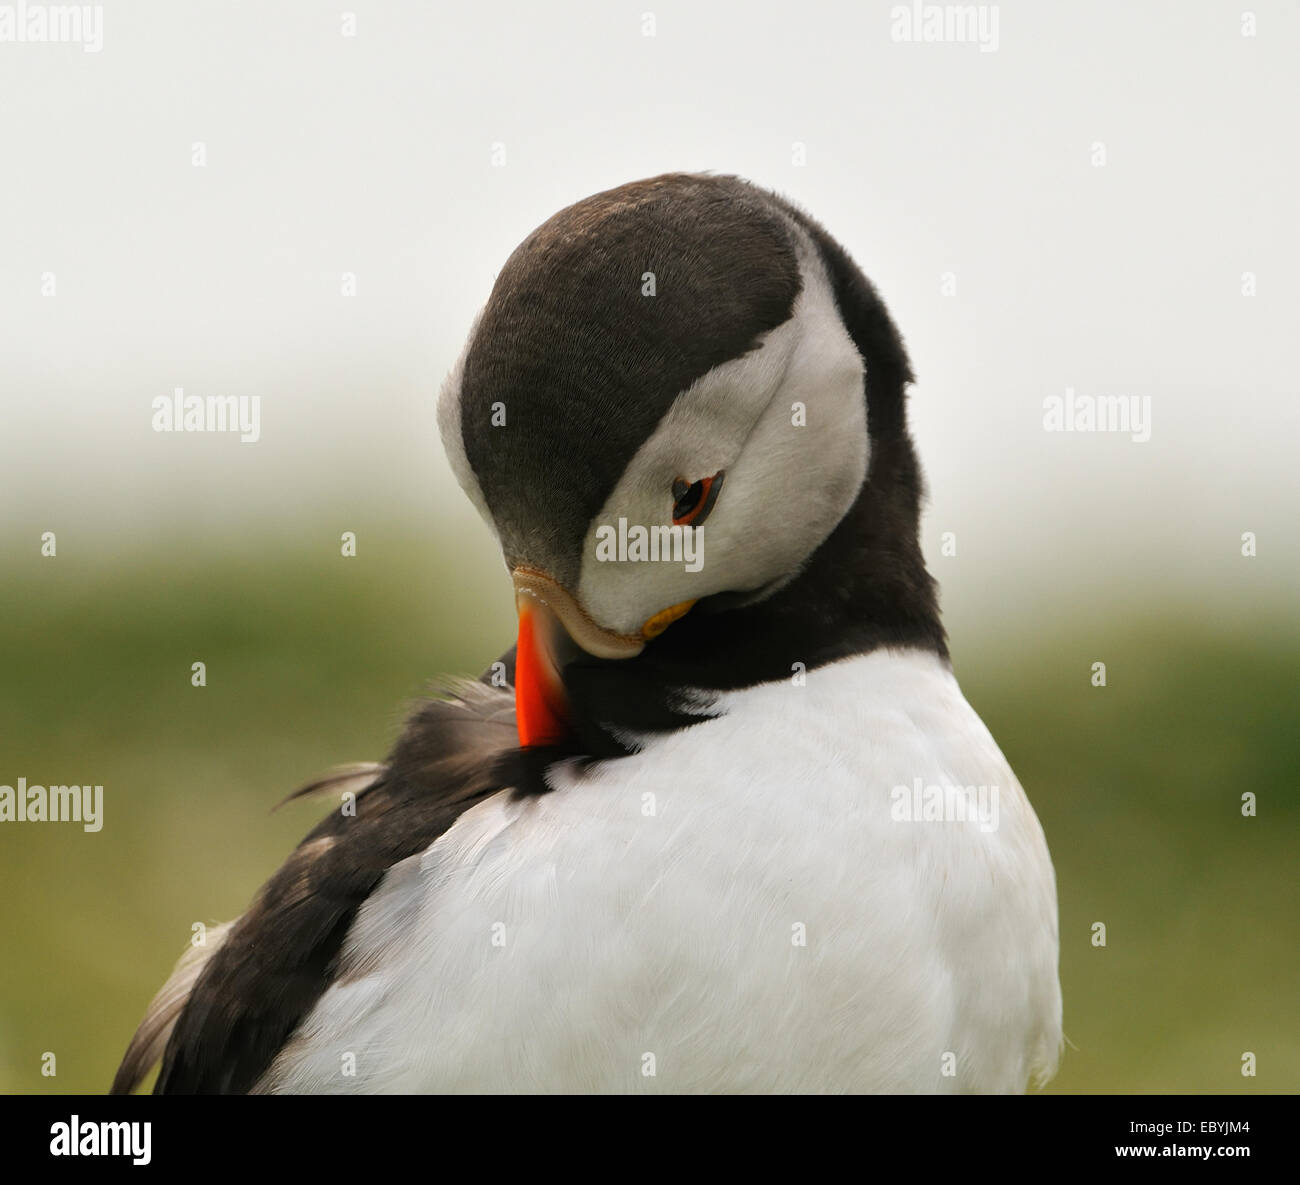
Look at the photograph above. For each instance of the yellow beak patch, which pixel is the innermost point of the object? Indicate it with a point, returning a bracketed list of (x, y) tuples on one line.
[(664, 618)]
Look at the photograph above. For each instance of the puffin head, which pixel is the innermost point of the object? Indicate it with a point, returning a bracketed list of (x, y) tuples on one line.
[(678, 394)]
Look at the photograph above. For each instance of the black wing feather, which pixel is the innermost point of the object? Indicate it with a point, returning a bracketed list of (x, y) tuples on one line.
[(282, 954)]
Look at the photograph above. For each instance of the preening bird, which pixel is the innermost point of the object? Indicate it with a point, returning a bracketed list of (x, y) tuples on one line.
[(715, 827)]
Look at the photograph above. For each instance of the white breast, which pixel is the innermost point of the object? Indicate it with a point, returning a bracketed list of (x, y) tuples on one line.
[(737, 908)]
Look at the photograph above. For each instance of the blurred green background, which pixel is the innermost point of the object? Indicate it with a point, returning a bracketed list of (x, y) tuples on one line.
[(359, 189), (311, 659)]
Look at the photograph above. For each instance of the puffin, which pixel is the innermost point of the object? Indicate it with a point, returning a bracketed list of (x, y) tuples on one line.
[(721, 820)]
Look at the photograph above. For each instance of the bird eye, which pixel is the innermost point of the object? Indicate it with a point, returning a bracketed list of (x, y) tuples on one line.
[(693, 500)]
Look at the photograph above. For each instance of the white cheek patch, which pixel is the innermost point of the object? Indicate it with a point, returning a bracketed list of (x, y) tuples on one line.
[(449, 427), (787, 422)]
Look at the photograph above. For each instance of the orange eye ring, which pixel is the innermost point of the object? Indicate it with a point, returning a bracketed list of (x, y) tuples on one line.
[(693, 500)]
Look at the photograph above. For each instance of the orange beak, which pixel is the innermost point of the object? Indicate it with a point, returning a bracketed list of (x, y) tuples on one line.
[(553, 628), (541, 708)]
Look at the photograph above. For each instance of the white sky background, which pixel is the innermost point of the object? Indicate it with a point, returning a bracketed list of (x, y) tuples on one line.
[(373, 155)]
